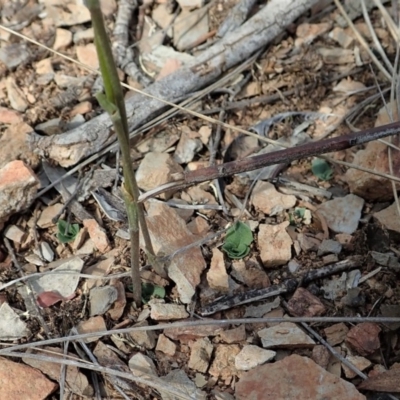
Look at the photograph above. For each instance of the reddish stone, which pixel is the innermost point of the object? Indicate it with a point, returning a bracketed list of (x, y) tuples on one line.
[(364, 338), (18, 187), (20, 381), (294, 377), (97, 234), (8, 116), (387, 381)]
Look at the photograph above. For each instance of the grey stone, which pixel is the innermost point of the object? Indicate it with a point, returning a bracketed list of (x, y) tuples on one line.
[(285, 335), (342, 214), (329, 246), (101, 299)]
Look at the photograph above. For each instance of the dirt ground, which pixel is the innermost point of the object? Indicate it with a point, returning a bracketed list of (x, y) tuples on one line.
[(319, 236)]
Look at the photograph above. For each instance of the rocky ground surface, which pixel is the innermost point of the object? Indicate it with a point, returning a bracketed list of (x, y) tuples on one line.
[(316, 238)]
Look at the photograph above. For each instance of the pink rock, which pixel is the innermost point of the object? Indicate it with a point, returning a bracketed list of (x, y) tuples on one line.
[(169, 233), (155, 170), (46, 217), (223, 365), (63, 39), (97, 234), (364, 338), (146, 339), (217, 276), (336, 334), (294, 377), (8, 116), (285, 335), (386, 381), (108, 7), (170, 66), (93, 324), (389, 218), (275, 244), (365, 185), (14, 146), (200, 354), (15, 233), (18, 187), (339, 35), (19, 381), (308, 32), (268, 200), (361, 363), (198, 226), (251, 356), (87, 55), (15, 95), (165, 345), (117, 309), (81, 109), (76, 381), (185, 334), (235, 335), (375, 157), (165, 312)]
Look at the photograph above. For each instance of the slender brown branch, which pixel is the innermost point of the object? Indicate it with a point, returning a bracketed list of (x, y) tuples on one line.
[(277, 157)]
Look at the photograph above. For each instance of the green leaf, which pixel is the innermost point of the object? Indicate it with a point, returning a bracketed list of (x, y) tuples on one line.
[(150, 291), (66, 232), (321, 169), (238, 240), (300, 212)]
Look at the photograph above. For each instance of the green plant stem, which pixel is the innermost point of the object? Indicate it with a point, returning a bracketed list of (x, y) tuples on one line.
[(108, 69), (114, 104), (131, 205)]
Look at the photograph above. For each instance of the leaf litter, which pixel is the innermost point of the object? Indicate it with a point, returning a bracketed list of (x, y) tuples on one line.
[(268, 246)]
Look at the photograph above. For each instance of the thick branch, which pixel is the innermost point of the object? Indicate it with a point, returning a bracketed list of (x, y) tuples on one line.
[(70, 147)]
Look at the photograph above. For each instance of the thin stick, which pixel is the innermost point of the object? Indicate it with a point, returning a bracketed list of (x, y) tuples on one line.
[(277, 157), (334, 352), (202, 322)]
